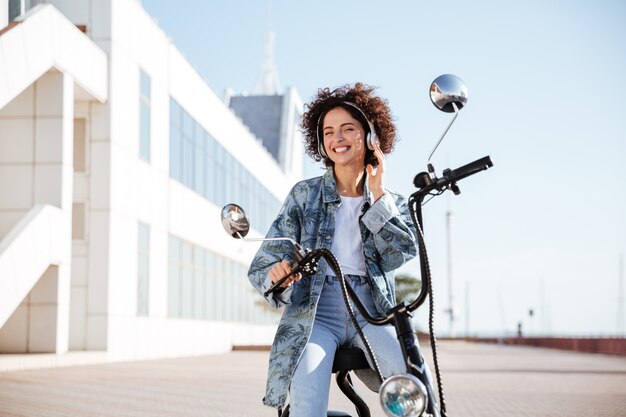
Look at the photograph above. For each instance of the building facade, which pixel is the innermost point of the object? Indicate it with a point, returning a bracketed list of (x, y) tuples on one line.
[(115, 160)]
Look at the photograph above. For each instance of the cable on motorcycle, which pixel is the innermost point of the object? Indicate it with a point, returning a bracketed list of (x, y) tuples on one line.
[(431, 305), (330, 258)]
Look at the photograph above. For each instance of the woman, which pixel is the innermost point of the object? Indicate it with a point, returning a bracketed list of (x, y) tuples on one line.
[(369, 230)]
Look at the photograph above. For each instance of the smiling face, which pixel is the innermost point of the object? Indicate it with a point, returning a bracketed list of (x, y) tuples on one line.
[(344, 137)]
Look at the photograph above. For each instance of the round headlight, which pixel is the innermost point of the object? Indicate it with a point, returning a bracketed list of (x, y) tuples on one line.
[(403, 396)]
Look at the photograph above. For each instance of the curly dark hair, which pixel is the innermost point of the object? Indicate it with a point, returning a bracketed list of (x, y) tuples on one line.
[(375, 108)]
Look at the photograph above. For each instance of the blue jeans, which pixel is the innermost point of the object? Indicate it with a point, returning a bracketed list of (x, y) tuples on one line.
[(333, 328)]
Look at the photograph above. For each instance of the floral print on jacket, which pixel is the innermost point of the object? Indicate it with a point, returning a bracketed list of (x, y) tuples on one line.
[(308, 217)]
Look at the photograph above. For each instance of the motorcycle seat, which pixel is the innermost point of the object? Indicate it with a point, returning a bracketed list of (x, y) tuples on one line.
[(349, 359)]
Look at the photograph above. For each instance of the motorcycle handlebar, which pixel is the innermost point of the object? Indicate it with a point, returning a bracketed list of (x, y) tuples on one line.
[(467, 170), (449, 177), (426, 185), (305, 263), (308, 265)]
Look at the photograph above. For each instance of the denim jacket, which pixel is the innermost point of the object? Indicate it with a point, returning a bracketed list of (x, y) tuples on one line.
[(308, 217)]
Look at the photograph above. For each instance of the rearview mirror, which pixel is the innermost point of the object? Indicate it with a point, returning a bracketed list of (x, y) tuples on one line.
[(448, 89), (234, 221)]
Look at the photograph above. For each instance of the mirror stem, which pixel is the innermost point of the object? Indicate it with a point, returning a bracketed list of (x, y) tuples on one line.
[(298, 249), (260, 239), (456, 114)]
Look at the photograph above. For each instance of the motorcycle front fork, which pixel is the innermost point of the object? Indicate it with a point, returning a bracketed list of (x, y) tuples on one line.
[(414, 360)]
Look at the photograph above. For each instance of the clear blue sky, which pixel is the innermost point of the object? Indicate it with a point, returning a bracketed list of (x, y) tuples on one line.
[(542, 229)]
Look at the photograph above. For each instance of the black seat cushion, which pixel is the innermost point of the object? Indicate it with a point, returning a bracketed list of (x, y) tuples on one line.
[(349, 359)]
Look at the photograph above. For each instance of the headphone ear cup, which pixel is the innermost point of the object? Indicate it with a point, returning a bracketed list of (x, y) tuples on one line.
[(321, 150), (371, 138), (320, 146), (320, 139)]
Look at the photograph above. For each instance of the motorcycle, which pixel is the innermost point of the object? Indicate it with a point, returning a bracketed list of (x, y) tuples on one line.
[(410, 394)]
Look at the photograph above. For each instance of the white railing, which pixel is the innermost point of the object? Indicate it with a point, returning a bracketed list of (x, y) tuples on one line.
[(30, 247), (42, 39)]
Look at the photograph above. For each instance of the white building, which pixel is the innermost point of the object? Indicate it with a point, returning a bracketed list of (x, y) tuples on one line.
[(115, 160)]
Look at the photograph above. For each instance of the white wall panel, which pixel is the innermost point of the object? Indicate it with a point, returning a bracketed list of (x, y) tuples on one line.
[(100, 162), (8, 219), (49, 95), (100, 122), (14, 51), (123, 265), (21, 106), (48, 182), (16, 140), (46, 289), (14, 333), (4, 67), (48, 134), (79, 270), (16, 187), (159, 263), (99, 262), (97, 332), (41, 329), (78, 318)]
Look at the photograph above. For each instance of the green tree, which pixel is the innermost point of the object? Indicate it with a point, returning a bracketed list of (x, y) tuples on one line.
[(407, 287)]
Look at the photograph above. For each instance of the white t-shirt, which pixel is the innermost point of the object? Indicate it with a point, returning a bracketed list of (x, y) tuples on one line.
[(347, 245)]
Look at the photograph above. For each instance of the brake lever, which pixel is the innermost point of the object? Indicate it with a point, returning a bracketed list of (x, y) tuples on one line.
[(306, 264), (278, 283)]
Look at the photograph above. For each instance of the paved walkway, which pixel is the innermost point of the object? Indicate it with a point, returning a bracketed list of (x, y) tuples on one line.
[(480, 380)]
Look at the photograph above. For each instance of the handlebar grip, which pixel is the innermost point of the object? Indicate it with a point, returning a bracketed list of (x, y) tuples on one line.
[(469, 169), (276, 287)]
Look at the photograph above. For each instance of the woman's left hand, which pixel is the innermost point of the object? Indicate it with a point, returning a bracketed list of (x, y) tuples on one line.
[(375, 176)]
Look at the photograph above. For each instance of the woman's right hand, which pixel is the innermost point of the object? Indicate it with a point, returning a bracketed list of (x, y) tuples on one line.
[(279, 270)]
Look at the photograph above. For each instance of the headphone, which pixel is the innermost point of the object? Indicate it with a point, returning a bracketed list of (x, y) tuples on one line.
[(370, 138)]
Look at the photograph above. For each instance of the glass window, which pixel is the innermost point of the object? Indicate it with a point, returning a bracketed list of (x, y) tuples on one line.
[(144, 116), (211, 286), (199, 162), (173, 293), (144, 140), (187, 167), (219, 288), (187, 300), (222, 155), (175, 153), (229, 304), (145, 85), (203, 285), (143, 269), (199, 283), (173, 299), (15, 9), (218, 183), (199, 165), (175, 113), (188, 124), (245, 188), (238, 183), (211, 169), (206, 161)]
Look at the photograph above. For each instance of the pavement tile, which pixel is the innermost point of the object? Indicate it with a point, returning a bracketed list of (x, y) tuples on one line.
[(480, 381)]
